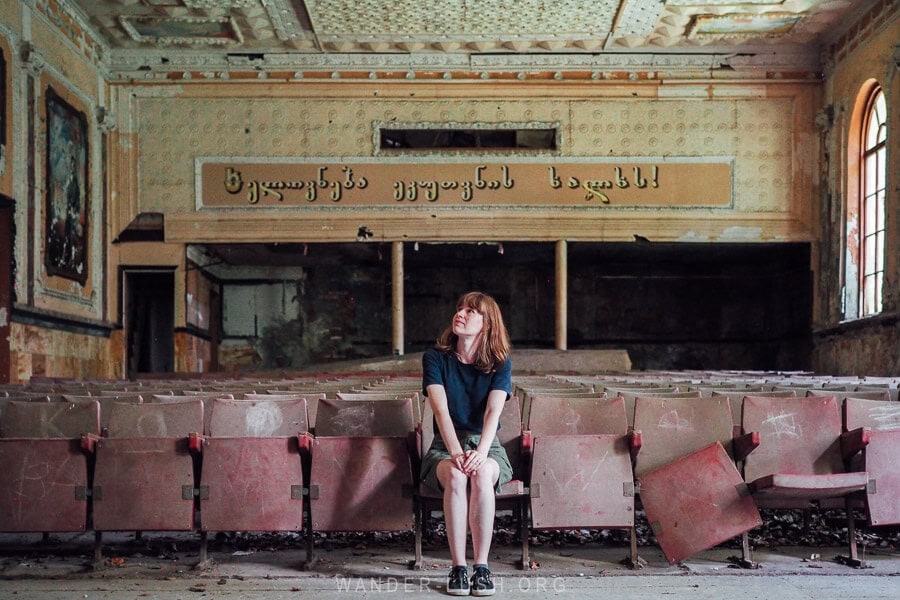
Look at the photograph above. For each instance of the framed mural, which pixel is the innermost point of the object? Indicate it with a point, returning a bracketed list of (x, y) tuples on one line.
[(67, 194)]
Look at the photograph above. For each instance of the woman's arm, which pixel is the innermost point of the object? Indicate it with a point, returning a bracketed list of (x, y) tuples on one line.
[(495, 402), (437, 397)]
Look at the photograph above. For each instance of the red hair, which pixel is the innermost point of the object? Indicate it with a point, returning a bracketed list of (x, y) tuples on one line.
[(492, 346)]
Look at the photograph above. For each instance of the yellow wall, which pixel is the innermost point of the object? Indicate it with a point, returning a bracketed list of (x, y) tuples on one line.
[(868, 51), (765, 127), (52, 312)]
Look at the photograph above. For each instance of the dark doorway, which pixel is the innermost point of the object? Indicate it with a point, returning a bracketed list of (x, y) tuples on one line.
[(149, 320), (7, 280)]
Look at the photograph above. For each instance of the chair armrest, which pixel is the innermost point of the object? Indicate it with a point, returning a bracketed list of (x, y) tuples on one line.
[(635, 441), (305, 442), (855, 441), (195, 442), (745, 444), (89, 442)]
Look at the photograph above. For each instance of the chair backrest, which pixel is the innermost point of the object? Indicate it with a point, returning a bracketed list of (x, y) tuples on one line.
[(876, 414), (258, 418), (883, 395), (736, 398), (799, 436), (631, 395), (675, 427), (550, 415), (50, 419), (385, 395), (168, 419), (509, 434), (380, 418)]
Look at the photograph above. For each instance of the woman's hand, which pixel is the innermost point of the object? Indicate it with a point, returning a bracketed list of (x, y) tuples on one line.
[(473, 460)]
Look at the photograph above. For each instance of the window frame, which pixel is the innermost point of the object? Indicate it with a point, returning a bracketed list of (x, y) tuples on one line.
[(872, 200)]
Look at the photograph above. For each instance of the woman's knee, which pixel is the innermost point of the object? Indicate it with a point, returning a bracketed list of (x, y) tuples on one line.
[(485, 479), (451, 478)]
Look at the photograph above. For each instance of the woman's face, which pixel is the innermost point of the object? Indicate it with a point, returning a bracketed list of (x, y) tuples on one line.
[(468, 321)]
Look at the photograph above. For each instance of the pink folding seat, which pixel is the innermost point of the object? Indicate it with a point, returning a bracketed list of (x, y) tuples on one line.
[(688, 484), (879, 457), (580, 476), (44, 474), (513, 495), (146, 473), (361, 474), (252, 472), (793, 457)]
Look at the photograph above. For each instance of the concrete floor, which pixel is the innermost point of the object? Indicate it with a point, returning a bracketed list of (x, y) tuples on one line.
[(162, 566)]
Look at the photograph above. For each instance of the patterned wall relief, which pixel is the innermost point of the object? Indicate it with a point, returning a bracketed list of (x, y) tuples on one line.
[(755, 133)]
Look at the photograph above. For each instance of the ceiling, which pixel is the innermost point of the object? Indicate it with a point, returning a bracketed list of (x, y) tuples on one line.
[(444, 34)]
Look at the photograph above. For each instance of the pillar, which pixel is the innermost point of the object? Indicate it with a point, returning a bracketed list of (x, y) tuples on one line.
[(397, 297), (562, 290)]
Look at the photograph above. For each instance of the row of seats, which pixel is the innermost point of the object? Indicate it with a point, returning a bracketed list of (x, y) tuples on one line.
[(318, 459)]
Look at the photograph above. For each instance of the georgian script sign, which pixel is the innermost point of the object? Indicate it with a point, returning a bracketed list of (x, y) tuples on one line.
[(266, 183)]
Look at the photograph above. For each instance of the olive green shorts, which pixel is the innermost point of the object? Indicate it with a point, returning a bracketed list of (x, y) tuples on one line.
[(469, 441)]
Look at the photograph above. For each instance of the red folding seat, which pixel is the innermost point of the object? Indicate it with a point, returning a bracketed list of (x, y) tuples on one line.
[(146, 475), (512, 496), (688, 484), (361, 474), (878, 457), (44, 474), (252, 473), (580, 475), (793, 457)]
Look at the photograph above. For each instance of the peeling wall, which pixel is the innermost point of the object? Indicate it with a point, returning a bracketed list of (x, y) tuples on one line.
[(49, 308), (41, 351), (870, 345)]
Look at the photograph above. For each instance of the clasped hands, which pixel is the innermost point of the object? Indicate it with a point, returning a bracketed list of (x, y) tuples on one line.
[(469, 462)]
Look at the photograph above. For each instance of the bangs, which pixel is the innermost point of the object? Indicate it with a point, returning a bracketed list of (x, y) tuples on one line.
[(472, 300)]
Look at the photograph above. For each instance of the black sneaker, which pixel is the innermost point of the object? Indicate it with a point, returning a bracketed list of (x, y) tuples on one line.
[(458, 582), (482, 584)]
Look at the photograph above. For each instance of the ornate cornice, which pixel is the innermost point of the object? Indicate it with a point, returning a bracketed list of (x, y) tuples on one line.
[(143, 65)]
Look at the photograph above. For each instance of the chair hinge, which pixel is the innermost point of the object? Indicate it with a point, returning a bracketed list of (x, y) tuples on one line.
[(297, 492), (628, 489)]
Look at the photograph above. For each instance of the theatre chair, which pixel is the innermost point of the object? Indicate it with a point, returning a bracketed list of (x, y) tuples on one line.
[(44, 474), (106, 402), (688, 484), (581, 476), (794, 454), (879, 457), (736, 399), (512, 496), (145, 478), (252, 473), (631, 397), (361, 474), (414, 397), (530, 396)]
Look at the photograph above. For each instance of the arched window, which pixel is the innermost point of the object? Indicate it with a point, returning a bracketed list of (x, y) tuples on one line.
[(864, 251), (872, 194)]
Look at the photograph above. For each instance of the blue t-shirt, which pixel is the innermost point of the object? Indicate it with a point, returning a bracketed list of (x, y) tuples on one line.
[(467, 388)]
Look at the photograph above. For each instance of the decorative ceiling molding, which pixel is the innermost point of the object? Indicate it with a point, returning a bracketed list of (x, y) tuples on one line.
[(137, 36)]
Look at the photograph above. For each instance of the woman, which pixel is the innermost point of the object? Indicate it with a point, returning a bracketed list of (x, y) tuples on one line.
[(466, 378)]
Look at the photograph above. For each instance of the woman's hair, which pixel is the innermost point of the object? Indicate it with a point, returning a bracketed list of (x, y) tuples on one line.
[(492, 347)]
